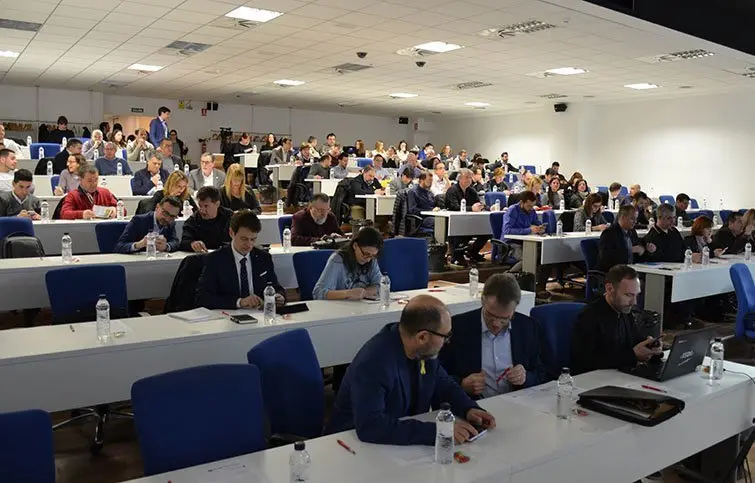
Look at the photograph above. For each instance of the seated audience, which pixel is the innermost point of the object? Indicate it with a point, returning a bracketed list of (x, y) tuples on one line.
[(497, 183), (206, 174), (506, 356), (364, 184), (420, 198), (427, 152), (207, 228), (619, 243), (304, 155), (162, 222), (117, 138), (235, 194), (411, 163), (440, 179), (20, 201), (94, 149), (592, 210), (668, 242), (150, 179), (748, 222), (462, 190), (392, 160), (281, 153), (578, 195), (59, 162), (60, 132), (314, 223), (700, 237), (682, 203), (108, 164), (321, 169), (644, 208), (552, 197), (401, 181), (397, 374), (8, 143), (341, 170), (522, 182), (170, 160), (521, 219), (178, 145), (243, 146), (381, 172), (733, 236), (478, 176), (605, 334), (615, 200), (571, 185), (177, 185), (502, 162), (236, 275), (81, 202), (352, 273), (8, 164), (69, 178), (140, 145), (555, 167)]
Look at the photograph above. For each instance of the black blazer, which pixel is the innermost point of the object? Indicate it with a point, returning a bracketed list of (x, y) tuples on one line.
[(218, 286), (612, 250), (463, 355)]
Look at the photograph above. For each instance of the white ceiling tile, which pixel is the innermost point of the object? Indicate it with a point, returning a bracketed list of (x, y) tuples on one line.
[(321, 12), (283, 6), (189, 17), (115, 20), (25, 16)]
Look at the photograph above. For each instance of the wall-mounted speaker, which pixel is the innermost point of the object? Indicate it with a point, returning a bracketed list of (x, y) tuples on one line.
[(560, 107), (403, 120)]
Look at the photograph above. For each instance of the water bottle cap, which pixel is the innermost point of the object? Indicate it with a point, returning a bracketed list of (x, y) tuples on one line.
[(269, 284), (299, 446), (102, 296), (717, 339), (65, 233), (445, 406), (564, 370)]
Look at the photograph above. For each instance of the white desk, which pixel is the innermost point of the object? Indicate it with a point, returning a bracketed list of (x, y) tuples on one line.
[(130, 202), (50, 360), (327, 186), (457, 223), (528, 445), (248, 160), (281, 172), (378, 205), (30, 164), (118, 185)]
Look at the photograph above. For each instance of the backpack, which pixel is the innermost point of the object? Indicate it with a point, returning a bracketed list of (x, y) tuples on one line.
[(21, 245)]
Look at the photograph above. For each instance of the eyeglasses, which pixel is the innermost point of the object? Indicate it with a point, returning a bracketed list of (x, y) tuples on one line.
[(446, 337), (368, 256), (492, 316)]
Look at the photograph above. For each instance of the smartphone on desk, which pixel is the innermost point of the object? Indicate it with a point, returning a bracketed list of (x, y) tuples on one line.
[(243, 319)]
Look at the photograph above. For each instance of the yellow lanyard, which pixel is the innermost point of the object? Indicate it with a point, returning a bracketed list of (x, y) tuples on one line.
[(422, 367)]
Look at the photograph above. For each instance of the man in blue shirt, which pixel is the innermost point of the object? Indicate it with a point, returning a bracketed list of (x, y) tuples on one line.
[(420, 198), (158, 127), (108, 164), (521, 219), (161, 221)]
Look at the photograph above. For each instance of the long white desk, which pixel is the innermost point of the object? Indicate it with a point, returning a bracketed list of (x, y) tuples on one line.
[(378, 205), (51, 360), (529, 444), (248, 160), (22, 280), (457, 223)]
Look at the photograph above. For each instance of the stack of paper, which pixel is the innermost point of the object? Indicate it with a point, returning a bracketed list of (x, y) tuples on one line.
[(197, 315)]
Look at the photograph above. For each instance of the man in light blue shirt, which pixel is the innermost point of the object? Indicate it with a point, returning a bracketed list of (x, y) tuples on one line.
[(341, 170)]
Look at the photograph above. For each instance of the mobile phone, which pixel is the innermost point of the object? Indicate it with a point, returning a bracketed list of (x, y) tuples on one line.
[(479, 435), (655, 342), (292, 309), (242, 319)]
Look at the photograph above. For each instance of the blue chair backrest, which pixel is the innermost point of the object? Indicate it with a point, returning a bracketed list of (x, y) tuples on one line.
[(12, 224), (529, 167), (308, 266), (589, 248), (624, 191), (51, 150), (108, 233), (708, 213), (75, 290), (549, 218), (26, 447), (667, 199), (725, 215), (556, 322), (197, 415), (496, 224), (283, 222), (742, 211), (292, 385), (510, 178), (609, 216), (697, 214), (54, 181), (396, 258), (693, 204), (741, 278), (132, 183), (491, 197), (602, 189), (362, 162)]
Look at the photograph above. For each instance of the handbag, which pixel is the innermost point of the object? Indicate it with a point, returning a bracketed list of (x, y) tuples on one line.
[(631, 405)]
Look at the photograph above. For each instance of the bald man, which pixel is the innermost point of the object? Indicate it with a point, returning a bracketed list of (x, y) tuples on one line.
[(397, 374)]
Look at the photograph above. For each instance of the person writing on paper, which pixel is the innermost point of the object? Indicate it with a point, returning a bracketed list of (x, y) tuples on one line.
[(506, 357), (20, 201), (734, 236), (605, 335), (352, 273), (88, 199), (207, 228), (364, 184), (162, 221), (149, 180), (235, 276), (397, 374), (341, 169), (314, 223), (321, 169)]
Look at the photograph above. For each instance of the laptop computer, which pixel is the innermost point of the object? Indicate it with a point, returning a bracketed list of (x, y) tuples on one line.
[(687, 352)]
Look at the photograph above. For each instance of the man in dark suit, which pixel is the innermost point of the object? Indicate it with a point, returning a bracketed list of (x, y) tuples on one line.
[(147, 180), (235, 276), (60, 162), (494, 349), (207, 229), (161, 221), (619, 243), (397, 374)]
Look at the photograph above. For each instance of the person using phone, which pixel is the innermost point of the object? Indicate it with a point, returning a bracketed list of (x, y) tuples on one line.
[(700, 237)]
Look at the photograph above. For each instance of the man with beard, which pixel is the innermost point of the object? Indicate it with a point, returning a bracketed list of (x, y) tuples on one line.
[(397, 374), (207, 229), (314, 222), (605, 335)]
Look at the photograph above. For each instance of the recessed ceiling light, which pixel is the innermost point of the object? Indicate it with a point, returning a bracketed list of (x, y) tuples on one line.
[(145, 67), (8, 54), (566, 71), (253, 14), (288, 82), (403, 95), (438, 47), (642, 86), (477, 104)]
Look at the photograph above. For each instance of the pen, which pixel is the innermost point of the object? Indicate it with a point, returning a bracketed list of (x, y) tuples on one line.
[(503, 374), (225, 313), (346, 447), (651, 388), (71, 327)]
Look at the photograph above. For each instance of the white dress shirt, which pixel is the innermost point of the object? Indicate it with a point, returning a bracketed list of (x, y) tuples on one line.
[(496, 358), (237, 257), (209, 180)]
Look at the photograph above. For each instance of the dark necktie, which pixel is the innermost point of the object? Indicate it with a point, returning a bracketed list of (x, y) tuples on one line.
[(244, 289)]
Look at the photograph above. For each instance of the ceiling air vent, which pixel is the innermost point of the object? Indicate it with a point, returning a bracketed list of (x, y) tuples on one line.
[(234, 24), (553, 96), (19, 25), (509, 31), (676, 56), (186, 48), (348, 68), (470, 85)]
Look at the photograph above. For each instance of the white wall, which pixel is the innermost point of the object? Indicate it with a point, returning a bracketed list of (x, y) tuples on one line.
[(701, 145)]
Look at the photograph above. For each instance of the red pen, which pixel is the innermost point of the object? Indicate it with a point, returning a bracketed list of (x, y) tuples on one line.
[(346, 447), (226, 314), (503, 374), (651, 388)]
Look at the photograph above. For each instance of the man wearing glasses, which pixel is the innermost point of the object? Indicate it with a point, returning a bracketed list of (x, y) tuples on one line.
[(495, 350), (161, 221), (397, 374)]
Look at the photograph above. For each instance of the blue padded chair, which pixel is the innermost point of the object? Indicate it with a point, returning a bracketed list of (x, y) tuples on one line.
[(400, 253), (529, 167), (491, 197), (51, 149), (694, 204), (26, 447), (610, 218), (667, 199), (602, 189), (496, 228), (697, 214), (724, 214), (54, 181), (742, 211), (13, 224), (108, 233), (510, 178), (549, 218), (292, 384), (284, 222), (708, 213), (594, 277), (362, 162), (741, 278), (624, 191), (74, 291), (308, 266), (556, 322), (197, 415)]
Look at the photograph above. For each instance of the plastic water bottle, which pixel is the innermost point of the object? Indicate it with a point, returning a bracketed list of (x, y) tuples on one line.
[(151, 246), (176, 167), (45, 211), (269, 303), (444, 435), (651, 223), (187, 210), (103, 319), (120, 211), (588, 227), (495, 188), (28, 141), (720, 203), (716, 220), (748, 252), (66, 248), (299, 463), (706, 256), (615, 203), (497, 205), (560, 228), (564, 399), (254, 149), (142, 157), (716, 361), (286, 240), (279, 208), (385, 291), (388, 190), (63, 142), (119, 169), (49, 168), (463, 205), (41, 152), (562, 205), (474, 281), (688, 259), (705, 203), (186, 169), (159, 186), (679, 223)]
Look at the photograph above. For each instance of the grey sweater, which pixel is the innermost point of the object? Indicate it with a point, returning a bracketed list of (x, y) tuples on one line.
[(9, 205)]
